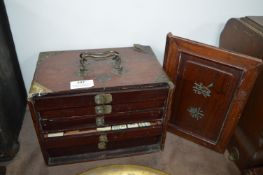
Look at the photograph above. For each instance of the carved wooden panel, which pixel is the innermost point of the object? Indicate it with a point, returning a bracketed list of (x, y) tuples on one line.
[(211, 88)]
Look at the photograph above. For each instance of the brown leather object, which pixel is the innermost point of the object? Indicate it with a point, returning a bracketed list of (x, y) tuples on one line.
[(245, 35), (253, 171)]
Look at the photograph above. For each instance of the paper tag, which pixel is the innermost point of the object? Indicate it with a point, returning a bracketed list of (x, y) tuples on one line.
[(81, 84), (107, 128), (58, 134)]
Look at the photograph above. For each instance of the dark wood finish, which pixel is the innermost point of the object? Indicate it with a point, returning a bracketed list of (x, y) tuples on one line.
[(87, 99), (81, 122), (225, 80), (117, 140), (13, 93), (91, 111), (2, 170), (130, 151), (253, 171), (61, 67), (122, 144), (245, 35), (139, 94), (86, 139)]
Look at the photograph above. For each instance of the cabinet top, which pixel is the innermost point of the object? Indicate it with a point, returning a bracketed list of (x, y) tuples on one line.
[(63, 71)]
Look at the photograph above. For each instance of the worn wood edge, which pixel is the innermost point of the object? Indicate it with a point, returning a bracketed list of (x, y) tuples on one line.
[(237, 106), (37, 89), (38, 130), (190, 138), (101, 90), (183, 44), (167, 113)]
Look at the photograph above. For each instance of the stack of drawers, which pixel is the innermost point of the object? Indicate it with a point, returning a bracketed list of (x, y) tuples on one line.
[(100, 123)]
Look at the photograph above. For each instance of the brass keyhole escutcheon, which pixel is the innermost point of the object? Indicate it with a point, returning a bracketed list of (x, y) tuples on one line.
[(101, 99), (103, 138), (100, 121), (233, 154), (102, 145), (104, 109)]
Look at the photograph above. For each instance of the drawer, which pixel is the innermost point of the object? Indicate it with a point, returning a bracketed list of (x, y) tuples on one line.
[(116, 145), (92, 110), (88, 99), (113, 136), (77, 144), (80, 122)]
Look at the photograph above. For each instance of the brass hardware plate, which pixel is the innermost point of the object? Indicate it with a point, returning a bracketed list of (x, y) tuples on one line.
[(100, 121), (103, 138), (233, 154), (105, 109), (102, 145), (37, 89), (124, 170), (103, 99)]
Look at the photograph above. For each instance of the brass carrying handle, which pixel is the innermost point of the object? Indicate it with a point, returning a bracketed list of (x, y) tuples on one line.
[(115, 56)]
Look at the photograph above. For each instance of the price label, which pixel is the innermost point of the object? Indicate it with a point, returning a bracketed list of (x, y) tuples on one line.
[(81, 84)]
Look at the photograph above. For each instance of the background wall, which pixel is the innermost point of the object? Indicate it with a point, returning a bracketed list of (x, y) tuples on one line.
[(43, 25)]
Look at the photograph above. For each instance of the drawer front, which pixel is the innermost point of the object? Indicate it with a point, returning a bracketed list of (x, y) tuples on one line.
[(80, 122), (78, 140), (76, 144), (99, 98), (204, 93), (66, 151), (93, 110)]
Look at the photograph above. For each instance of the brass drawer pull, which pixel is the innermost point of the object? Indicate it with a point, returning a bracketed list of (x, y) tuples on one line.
[(102, 145), (234, 154), (103, 99), (100, 121), (100, 56), (105, 109), (103, 138)]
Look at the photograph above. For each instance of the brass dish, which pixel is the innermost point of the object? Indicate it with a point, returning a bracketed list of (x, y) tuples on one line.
[(123, 170)]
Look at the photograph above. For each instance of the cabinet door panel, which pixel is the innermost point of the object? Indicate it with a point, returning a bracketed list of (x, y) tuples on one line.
[(211, 88)]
